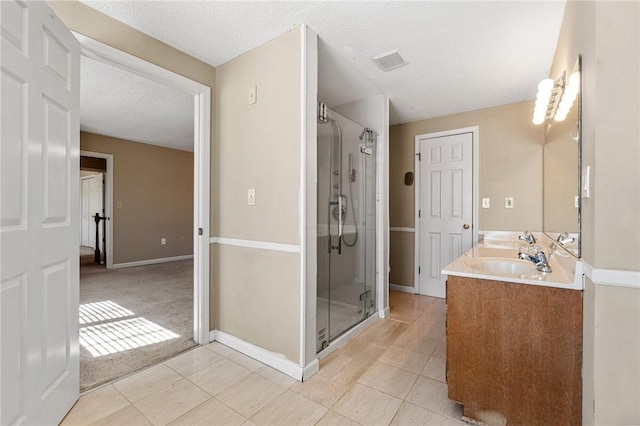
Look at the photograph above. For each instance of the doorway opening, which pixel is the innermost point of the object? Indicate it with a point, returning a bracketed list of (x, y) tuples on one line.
[(151, 300), (93, 216)]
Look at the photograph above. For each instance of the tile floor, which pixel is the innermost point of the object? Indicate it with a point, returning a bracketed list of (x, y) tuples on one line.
[(393, 372)]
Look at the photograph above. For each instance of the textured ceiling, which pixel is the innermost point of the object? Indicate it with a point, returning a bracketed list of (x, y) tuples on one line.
[(462, 55), (116, 103)]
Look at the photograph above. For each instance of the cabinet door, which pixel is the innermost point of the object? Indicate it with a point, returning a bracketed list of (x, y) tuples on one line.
[(514, 351)]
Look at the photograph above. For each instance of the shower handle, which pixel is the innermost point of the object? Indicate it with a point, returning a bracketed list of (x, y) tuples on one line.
[(340, 222)]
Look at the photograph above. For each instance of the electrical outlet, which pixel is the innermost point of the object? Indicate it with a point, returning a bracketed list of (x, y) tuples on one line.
[(253, 95), (163, 241), (508, 203), (251, 197), (486, 203)]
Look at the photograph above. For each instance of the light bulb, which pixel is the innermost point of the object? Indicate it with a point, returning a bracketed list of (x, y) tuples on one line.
[(574, 81), (560, 116), (543, 96), (542, 102), (570, 93), (563, 108), (565, 104), (546, 85), (537, 119)]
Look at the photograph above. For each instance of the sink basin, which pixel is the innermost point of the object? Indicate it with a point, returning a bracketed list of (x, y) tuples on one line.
[(502, 266)]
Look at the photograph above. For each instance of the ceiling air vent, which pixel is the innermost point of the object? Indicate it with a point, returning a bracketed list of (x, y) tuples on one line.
[(389, 60)]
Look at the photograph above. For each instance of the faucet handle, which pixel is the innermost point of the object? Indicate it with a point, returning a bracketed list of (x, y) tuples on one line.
[(564, 238), (528, 237)]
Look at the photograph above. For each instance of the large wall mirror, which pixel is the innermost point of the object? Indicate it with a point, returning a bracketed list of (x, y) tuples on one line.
[(561, 173)]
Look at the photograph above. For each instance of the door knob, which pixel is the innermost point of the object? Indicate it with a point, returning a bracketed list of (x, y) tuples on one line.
[(465, 226)]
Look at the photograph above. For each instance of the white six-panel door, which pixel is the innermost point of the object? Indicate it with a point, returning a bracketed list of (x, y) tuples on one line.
[(446, 206), (39, 215)]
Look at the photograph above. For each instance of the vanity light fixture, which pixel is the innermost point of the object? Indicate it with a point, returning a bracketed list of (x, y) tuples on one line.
[(568, 97), (547, 99)]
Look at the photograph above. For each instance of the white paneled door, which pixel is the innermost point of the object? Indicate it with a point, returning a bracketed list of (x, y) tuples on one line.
[(446, 206), (39, 215)]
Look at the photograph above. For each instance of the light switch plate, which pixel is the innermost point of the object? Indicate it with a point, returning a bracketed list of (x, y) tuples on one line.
[(508, 203), (486, 203), (586, 185), (253, 95), (163, 241), (118, 204), (251, 197)]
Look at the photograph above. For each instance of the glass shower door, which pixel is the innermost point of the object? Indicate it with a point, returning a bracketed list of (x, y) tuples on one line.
[(346, 226)]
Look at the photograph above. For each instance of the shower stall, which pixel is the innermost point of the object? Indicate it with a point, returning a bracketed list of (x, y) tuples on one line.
[(346, 225)]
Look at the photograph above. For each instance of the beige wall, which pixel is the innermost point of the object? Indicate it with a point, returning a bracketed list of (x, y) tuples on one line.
[(155, 186), (617, 355), (401, 258), (607, 35), (255, 293), (256, 297), (259, 144), (510, 165)]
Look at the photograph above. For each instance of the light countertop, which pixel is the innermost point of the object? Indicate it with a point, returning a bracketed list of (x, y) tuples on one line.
[(496, 258)]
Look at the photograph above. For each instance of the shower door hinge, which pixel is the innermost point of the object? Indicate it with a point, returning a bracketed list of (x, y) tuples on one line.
[(365, 150), (366, 294), (200, 231)]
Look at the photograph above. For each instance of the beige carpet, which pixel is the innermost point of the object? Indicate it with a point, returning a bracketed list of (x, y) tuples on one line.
[(129, 307)]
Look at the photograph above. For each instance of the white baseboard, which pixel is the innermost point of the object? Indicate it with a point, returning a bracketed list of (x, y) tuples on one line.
[(384, 313), (312, 368), (151, 261), (272, 359), (402, 288)]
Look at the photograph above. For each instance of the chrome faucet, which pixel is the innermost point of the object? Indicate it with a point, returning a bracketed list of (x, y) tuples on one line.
[(564, 238), (538, 257), (528, 237)]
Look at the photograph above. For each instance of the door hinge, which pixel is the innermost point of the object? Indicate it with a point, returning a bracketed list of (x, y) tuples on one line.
[(418, 270), (419, 213), (200, 231), (419, 156)]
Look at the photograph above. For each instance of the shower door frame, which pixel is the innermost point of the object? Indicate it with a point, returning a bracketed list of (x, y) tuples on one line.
[(335, 152)]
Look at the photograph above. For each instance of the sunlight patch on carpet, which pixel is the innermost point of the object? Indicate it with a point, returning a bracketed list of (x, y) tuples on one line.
[(102, 311), (118, 336)]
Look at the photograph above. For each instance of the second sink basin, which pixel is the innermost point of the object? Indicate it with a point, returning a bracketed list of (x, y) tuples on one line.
[(502, 266)]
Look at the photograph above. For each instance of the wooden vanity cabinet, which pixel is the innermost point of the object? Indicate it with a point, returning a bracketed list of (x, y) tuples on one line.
[(514, 352)]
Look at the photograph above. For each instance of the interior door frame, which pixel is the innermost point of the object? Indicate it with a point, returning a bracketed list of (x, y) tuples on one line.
[(475, 131), (108, 201), (202, 163)]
